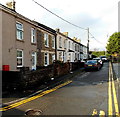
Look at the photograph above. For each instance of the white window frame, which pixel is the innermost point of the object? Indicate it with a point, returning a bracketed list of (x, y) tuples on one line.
[(69, 45), (33, 35), (47, 59), (60, 42), (46, 38), (53, 57), (65, 43), (19, 31), (20, 58), (34, 55), (53, 42), (60, 56), (73, 45)]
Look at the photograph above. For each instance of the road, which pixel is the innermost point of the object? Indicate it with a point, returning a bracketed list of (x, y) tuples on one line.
[(86, 94)]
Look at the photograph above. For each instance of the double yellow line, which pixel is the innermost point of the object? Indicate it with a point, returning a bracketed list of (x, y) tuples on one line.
[(112, 96), (11, 106)]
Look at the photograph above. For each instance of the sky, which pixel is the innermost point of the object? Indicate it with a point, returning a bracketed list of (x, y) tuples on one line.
[(100, 16)]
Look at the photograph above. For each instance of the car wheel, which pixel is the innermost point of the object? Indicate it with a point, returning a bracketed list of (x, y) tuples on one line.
[(98, 68)]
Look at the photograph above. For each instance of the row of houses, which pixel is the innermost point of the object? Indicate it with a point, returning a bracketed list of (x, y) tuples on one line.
[(27, 43)]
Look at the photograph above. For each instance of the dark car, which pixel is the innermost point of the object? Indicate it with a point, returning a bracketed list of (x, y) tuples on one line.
[(92, 64)]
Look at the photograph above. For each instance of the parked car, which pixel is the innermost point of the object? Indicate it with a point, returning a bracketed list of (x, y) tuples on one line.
[(92, 64), (104, 58), (99, 60)]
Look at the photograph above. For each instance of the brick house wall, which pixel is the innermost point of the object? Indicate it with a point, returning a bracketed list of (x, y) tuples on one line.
[(42, 49)]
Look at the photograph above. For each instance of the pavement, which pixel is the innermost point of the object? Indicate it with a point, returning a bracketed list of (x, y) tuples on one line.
[(11, 97), (116, 68)]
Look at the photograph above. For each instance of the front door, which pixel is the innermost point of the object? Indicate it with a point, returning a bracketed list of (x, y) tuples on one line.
[(34, 61)]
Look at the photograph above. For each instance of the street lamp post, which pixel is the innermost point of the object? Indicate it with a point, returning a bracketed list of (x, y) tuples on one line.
[(88, 45)]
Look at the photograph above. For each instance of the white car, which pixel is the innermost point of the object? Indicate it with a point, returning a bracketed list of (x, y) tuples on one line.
[(104, 58), (99, 60)]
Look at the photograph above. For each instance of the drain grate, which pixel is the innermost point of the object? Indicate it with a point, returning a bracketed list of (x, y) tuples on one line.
[(33, 112)]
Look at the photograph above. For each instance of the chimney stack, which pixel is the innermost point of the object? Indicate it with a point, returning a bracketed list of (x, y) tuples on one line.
[(65, 33), (58, 30), (11, 5)]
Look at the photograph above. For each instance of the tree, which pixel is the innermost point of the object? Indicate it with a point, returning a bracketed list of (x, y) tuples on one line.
[(98, 53), (113, 45)]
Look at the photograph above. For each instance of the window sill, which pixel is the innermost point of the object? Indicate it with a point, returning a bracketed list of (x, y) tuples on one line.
[(47, 46), (53, 47), (20, 40), (33, 43)]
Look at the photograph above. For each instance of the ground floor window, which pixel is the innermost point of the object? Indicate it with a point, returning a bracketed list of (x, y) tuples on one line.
[(60, 56), (46, 59), (53, 57), (69, 57), (19, 58)]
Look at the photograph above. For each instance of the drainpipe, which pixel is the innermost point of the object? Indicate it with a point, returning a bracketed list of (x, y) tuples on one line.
[(56, 46)]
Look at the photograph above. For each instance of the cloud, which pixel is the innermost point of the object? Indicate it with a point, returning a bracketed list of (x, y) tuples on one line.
[(99, 15)]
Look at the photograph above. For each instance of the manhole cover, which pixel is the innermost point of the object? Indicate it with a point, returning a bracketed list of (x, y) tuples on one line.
[(33, 112)]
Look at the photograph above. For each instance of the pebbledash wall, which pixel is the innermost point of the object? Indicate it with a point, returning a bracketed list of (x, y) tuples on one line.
[(17, 49), (0, 40), (26, 43)]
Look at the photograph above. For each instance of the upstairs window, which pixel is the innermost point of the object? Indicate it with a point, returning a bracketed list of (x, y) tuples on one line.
[(65, 43), (53, 41), (73, 45), (69, 44), (19, 31), (33, 35), (60, 42), (46, 40)]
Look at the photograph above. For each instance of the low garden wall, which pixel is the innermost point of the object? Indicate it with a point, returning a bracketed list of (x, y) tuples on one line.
[(26, 79)]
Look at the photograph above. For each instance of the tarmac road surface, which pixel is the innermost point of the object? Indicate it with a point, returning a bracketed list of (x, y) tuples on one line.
[(86, 94)]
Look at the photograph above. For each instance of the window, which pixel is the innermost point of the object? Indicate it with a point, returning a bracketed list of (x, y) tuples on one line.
[(53, 42), (60, 42), (33, 35), (34, 61), (53, 57), (73, 46), (69, 44), (60, 56), (78, 48), (19, 28), (75, 55), (65, 43), (46, 60), (19, 58), (46, 40), (69, 57)]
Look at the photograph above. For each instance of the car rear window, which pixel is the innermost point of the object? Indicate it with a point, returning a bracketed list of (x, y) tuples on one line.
[(91, 62)]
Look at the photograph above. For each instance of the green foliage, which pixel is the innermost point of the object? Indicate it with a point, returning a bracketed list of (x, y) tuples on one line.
[(98, 53), (113, 43)]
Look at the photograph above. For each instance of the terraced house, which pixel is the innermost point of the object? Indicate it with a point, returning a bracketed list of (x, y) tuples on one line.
[(69, 49), (19, 42), (46, 44), (25, 43)]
